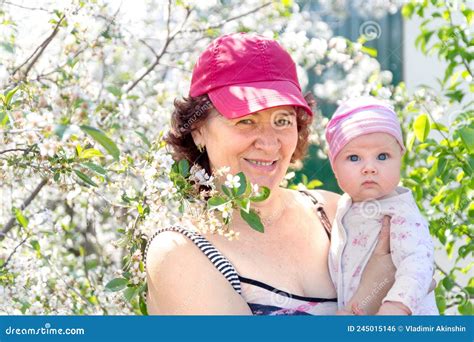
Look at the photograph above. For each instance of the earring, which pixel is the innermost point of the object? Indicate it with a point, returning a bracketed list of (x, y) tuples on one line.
[(201, 148)]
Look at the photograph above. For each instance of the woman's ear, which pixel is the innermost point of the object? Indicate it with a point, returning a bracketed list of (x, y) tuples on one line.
[(198, 137)]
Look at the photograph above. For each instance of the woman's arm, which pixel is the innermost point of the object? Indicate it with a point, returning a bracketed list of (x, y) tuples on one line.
[(376, 281), (377, 278), (182, 281)]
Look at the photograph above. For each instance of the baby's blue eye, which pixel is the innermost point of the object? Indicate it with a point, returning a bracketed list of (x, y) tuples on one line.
[(353, 157), (382, 156)]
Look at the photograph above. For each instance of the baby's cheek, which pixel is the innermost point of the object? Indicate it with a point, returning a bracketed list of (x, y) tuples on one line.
[(392, 180), (347, 184)]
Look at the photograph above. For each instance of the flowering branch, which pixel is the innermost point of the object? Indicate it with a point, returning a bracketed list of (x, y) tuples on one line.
[(15, 149), (40, 49), (27, 8), (223, 22), (13, 252), (236, 193), (169, 39), (9, 225)]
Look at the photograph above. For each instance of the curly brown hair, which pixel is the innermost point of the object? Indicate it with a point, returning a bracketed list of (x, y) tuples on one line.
[(191, 111)]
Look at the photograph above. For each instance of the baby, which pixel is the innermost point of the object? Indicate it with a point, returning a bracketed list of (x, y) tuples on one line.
[(365, 151)]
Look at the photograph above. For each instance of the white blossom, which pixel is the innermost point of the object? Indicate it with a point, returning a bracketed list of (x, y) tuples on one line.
[(232, 181)]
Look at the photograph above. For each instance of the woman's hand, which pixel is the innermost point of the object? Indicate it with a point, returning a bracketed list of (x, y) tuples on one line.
[(377, 277)]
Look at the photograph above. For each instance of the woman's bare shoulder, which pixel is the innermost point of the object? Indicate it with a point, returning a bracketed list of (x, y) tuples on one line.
[(329, 201), (182, 280)]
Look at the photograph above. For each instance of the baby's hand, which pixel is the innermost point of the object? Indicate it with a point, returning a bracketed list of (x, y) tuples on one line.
[(394, 308)]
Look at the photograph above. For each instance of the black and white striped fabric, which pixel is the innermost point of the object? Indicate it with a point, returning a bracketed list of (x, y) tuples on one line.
[(222, 264)]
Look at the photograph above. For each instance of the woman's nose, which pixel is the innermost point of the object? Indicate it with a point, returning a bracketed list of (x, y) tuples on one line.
[(267, 138)]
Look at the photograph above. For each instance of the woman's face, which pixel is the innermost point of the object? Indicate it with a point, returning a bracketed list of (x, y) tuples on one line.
[(260, 144)]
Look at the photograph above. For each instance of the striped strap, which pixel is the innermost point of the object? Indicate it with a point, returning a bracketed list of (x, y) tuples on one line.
[(222, 264), (320, 212)]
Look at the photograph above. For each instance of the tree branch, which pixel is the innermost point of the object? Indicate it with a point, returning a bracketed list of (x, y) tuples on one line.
[(39, 50), (446, 274), (13, 252), (223, 22), (14, 149), (10, 224), (27, 8), (169, 39)]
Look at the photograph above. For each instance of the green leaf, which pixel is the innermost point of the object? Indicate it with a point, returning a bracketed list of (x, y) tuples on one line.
[(410, 141), (85, 178), (142, 305), (455, 95), (114, 91), (253, 220), (421, 127), (102, 139), (448, 283), (96, 168), (466, 309), (226, 191), (36, 246), (116, 284), (440, 127), (407, 10), (91, 264), (370, 51), (4, 118), (243, 184), (467, 137), (183, 168), (442, 162), (9, 96), (304, 179), (89, 153), (314, 184), (144, 138), (263, 194), (463, 251), (216, 201), (441, 303), (244, 204), (22, 220), (130, 293)]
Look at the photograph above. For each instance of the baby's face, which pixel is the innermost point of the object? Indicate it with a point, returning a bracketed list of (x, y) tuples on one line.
[(368, 167)]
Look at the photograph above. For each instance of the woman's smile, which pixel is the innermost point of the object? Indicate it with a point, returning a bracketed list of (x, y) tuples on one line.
[(264, 165)]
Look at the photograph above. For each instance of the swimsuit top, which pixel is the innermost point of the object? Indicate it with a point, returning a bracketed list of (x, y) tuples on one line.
[(262, 298)]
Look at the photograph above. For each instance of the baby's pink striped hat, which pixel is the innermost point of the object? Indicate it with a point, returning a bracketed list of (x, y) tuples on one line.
[(359, 116)]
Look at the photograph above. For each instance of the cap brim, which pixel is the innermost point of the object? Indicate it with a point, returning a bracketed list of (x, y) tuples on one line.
[(239, 100)]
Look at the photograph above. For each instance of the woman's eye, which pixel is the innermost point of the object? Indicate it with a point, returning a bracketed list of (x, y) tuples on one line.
[(283, 122), (245, 122), (382, 156), (353, 157)]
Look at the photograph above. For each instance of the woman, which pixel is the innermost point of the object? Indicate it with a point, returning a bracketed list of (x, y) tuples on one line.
[(258, 124)]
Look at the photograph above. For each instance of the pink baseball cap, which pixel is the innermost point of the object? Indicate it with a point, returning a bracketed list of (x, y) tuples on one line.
[(359, 116), (243, 73)]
